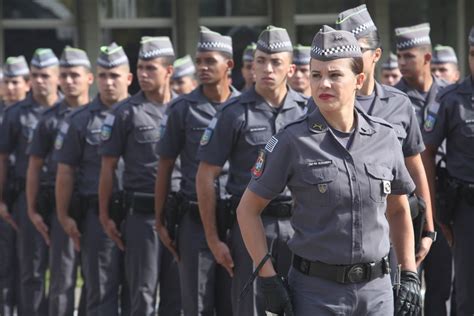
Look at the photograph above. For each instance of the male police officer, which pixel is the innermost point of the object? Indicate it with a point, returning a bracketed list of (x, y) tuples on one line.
[(131, 131), (444, 64), (238, 134), (300, 79), (414, 57), (204, 285), (15, 86), (17, 132), (15, 81), (77, 144), (454, 121), (390, 73), (247, 67), (183, 80), (74, 79)]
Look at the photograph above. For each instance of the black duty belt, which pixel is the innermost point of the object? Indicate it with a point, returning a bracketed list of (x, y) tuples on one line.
[(278, 209), (465, 189), (344, 274), (139, 202)]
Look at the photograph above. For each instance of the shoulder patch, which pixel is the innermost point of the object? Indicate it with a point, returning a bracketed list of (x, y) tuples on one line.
[(59, 141), (207, 135), (257, 169), (271, 144), (106, 129)]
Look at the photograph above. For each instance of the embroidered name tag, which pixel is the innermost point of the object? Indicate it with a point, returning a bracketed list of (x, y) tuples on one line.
[(319, 163), (258, 129)]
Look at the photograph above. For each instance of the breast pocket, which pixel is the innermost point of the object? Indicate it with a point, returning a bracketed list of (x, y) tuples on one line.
[(28, 131), (380, 178), (322, 184), (258, 135), (146, 134), (93, 137)]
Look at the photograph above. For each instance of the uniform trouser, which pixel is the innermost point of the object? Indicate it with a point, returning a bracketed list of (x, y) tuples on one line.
[(205, 285), (464, 258), (143, 252), (63, 264), (437, 268), (278, 232), (8, 269), (101, 265), (316, 296)]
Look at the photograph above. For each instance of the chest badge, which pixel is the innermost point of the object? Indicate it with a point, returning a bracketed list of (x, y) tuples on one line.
[(257, 169), (323, 188), (387, 187)]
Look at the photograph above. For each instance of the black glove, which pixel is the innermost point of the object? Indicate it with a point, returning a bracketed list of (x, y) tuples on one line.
[(407, 296), (277, 296)]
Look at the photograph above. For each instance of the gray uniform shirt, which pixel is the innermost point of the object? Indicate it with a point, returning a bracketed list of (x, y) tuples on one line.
[(455, 123), (42, 144), (340, 195), (395, 107), (131, 131), (78, 142), (420, 102), (17, 130), (187, 118), (242, 129)]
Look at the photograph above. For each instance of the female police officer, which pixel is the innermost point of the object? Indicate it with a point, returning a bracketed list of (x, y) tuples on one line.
[(348, 179)]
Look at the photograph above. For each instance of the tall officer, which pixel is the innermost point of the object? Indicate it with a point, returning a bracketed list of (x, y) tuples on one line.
[(16, 85), (349, 182), (78, 162), (238, 134), (390, 73), (132, 131), (75, 79), (205, 287), (391, 105), (183, 80), (454, 122), (247, 70), (414, 58), (444, 64), (17, 133), (300, 79)]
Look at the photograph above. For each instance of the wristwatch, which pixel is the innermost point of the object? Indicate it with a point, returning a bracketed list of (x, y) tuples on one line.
[(429, 234)]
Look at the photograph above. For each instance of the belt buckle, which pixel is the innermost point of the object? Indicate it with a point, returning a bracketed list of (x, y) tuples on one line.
[(357, 273)]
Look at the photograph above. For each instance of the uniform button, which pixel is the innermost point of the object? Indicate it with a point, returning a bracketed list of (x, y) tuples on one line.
[(348, 157), (356, 200), (353, 178)]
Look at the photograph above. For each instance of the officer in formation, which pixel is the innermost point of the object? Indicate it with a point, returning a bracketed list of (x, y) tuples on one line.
[(78, 207), (414, 57), (300, 79), (132, 131), (205, 285), (247, 70), (75, 78), (444, 64), (454, 122), (183, 79), (393, 106), (348, 194), (237, 135), (16, 85), (390, 74), (17, 133)]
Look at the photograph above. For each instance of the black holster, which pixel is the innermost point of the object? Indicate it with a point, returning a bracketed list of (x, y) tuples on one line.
[(46, 203), (173, 212), (418, 215)]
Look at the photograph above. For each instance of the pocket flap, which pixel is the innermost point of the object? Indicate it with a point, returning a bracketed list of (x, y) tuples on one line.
[(379, 171), (317, 175)]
